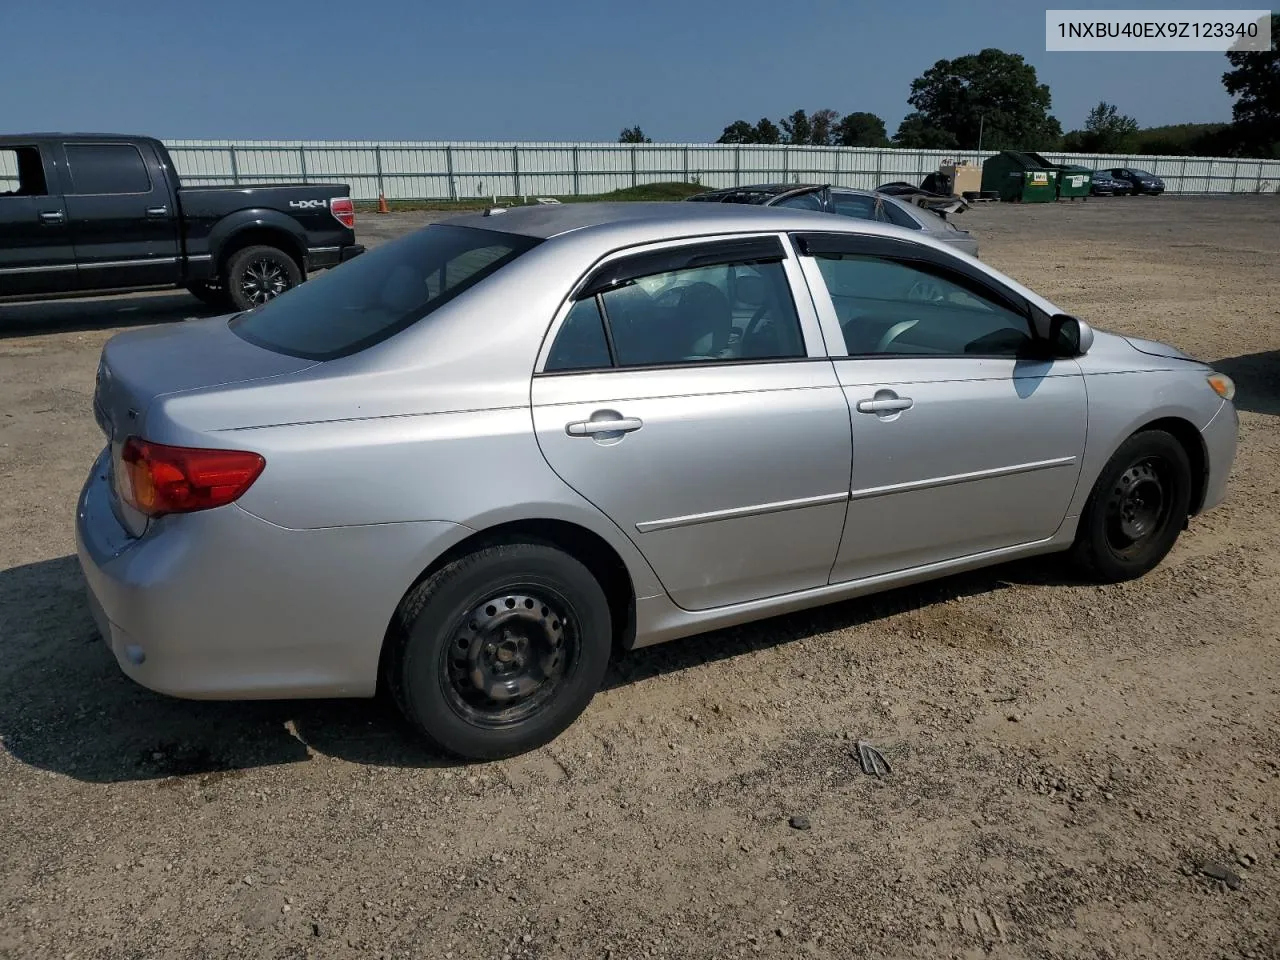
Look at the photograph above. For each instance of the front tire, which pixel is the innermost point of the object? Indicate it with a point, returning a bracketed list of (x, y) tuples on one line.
[(1136, 509), (258, 274), (499, 651)]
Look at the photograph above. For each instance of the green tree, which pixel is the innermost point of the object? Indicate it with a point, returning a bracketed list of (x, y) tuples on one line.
[(738, 132), (917, 132), (1106, 130), (1109, 129), (823, 123), (798, 128), (992, 91), (861, 130), (1254, 81), (633, 135), (767, 132)]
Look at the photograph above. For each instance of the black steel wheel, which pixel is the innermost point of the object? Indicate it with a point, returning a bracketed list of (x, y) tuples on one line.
[(506, 658), (1136, 510), (259, 274), (497, 652)]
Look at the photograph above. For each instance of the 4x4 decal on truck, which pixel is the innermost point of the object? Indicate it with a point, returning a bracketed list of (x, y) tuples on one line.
[(307, 204)]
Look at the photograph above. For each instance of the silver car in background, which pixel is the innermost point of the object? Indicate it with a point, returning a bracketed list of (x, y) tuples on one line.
[(871, 205), (466, 465)]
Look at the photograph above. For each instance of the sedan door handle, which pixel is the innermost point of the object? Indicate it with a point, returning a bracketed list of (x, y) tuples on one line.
[(52, 216), (885, 406), (156, 213), (591, 428)]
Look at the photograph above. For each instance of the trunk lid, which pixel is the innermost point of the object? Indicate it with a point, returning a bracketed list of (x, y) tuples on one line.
[(139, 366)]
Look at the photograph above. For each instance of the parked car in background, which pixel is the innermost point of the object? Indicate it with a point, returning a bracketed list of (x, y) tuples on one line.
[(1105, 185), (848, 202), (476, 458), (1139, 181), (88, 214)]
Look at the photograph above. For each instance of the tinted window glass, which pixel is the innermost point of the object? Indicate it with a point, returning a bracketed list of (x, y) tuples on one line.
[(581, 343), (890, 308), (854, 205), (98, 168), (899, 217), (740, 311), (379, 293), (806, 201)]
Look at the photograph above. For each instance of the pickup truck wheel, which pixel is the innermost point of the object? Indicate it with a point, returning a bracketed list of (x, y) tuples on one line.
[(259, 274), (214, 296)]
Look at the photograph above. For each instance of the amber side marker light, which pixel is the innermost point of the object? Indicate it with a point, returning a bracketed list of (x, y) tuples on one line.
[(1222, 385)]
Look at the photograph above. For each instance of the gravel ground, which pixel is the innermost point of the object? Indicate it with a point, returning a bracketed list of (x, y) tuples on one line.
[(1066, 758)]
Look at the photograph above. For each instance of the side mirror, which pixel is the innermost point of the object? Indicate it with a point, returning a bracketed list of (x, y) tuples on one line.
[(1070, 336)]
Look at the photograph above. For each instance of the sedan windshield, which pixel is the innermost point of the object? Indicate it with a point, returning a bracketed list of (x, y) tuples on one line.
[(379, 293)]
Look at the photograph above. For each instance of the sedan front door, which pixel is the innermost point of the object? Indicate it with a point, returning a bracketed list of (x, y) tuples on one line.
[(685, 394), (967, 434)]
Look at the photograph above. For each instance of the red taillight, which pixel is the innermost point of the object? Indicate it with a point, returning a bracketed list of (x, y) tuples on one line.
[(343, 210), (155, 478)]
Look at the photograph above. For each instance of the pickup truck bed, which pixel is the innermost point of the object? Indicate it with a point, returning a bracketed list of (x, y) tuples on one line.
[(86, 214)]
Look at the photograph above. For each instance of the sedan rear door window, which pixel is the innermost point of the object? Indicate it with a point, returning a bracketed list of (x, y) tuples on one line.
[(727, 311)]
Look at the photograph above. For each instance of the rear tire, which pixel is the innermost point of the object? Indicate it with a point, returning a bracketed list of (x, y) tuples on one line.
[(496, 653), (1136, 509), (258, 274)]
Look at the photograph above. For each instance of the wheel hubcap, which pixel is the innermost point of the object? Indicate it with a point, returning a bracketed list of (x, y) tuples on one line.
[(263, 280), (508, 655), (1138, 505)]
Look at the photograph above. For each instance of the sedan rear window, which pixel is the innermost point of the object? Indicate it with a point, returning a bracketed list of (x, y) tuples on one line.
[(379, 293)]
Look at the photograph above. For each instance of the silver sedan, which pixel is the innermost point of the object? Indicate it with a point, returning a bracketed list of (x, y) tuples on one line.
[(466, 465), (850, 202)]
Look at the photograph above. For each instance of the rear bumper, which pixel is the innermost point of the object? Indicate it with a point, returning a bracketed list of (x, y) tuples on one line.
[(1220, 437), (321, 258), (222, 605)]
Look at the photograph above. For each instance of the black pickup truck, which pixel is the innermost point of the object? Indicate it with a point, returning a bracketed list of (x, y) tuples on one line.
[(84, 214)]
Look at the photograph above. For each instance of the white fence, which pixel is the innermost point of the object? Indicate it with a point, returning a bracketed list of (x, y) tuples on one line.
[(431, 170)]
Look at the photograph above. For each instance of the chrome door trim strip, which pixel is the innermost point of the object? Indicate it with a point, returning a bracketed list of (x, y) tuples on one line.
[(136, 262), (735, 513), (911, 485), (44, 268)]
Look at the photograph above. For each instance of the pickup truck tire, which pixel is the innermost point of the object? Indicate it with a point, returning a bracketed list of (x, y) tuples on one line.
[(258, 274), (214, 296)]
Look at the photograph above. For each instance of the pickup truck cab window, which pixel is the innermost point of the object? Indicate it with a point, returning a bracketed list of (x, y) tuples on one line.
[(106, 168), (22, 172)]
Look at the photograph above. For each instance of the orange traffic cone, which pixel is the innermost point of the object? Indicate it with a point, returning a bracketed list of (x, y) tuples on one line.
[(382, 204)]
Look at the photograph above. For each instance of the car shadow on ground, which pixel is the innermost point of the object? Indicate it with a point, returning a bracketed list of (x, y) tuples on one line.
[(1257, 379), (66, 707), (33, 317)]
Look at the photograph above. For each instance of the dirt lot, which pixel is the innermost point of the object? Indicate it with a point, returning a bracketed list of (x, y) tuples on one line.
[(1063, 756)]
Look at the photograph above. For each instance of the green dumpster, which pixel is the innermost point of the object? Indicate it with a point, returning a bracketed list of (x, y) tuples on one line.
[(1073, 179), (1020, 177)]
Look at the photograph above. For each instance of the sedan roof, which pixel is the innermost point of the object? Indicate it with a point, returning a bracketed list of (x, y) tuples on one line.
[(656, 220)]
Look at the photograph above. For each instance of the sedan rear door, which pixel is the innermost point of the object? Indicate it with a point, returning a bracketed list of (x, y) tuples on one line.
[(686, 394), (967, 435)]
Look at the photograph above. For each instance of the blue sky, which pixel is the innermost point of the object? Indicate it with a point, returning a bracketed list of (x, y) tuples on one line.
[(564, 70)]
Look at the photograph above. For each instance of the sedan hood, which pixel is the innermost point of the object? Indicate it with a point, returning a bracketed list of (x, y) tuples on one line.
[(1155, 348)]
